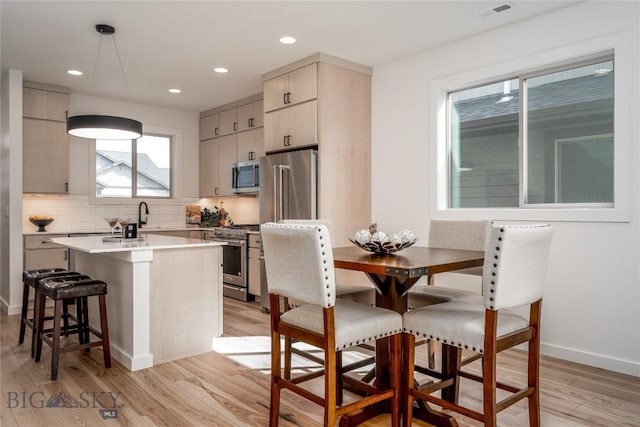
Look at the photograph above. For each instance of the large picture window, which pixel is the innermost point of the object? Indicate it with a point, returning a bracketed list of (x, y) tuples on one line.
[(134, 168), (543, 139)]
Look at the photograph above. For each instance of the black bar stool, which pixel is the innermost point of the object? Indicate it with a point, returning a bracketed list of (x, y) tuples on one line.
[(30, 279), (63, 289)]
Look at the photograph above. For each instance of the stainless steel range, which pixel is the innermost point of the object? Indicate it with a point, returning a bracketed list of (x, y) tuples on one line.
[(235, 256)]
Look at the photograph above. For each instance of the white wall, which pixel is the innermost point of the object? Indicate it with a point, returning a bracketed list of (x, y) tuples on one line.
[(591, 310), (11, 199)]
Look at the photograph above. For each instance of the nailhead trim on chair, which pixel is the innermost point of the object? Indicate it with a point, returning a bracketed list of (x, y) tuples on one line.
[(364, 340), (431, 337), (494, 270)]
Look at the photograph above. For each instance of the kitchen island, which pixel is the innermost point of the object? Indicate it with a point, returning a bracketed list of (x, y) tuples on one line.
[(164, 294)]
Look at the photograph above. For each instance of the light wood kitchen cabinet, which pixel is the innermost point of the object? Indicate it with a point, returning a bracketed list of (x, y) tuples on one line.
[(45, 156), (44, 104), (254, 264), (250, 116), (227, 157), (209, 127), (338, 120), (187, 234), (292, 127), (291, 88), (228, 121), (250, 145), (208, 166), (40, 252), (229, 134), (45, 143)]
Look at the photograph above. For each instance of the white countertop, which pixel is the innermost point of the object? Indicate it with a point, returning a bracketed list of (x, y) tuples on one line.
[(96, 244)]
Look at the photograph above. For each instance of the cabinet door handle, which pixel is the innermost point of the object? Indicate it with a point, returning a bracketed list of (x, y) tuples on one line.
[(215, 132), (284, 98), (250, 122), (66, 187), (66, 256), (235, 126), (216, 191), (288, 98), (252, 155)]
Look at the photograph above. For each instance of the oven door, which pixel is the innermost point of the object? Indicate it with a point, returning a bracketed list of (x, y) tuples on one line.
[(234, 262)]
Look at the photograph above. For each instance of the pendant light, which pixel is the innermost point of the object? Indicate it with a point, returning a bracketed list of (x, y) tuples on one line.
[(105, 127)]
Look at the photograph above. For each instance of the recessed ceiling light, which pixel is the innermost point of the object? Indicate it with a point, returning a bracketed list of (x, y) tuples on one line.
[(220, 70), (175, 90), (287, 40), (75, 72)]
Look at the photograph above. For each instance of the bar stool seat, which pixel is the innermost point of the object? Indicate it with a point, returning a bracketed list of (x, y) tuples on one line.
[(30, 279), (61, 289)]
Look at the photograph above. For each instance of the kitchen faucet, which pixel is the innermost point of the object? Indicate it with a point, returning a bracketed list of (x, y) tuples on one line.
[(146, 212)]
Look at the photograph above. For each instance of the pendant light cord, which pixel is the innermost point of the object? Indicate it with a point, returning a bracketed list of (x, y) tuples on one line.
[(96, 64), (124, 76)]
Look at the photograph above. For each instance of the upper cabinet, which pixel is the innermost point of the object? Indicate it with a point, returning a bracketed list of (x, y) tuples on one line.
[(228, 121), (250, 116), (209, 127), (292, 88), (45, 143), (229, 134)]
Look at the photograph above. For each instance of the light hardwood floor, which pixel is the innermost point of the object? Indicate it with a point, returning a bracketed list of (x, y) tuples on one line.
[(230, 387)]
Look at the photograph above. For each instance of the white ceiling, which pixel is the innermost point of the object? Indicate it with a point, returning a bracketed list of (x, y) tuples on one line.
[(165, 44)]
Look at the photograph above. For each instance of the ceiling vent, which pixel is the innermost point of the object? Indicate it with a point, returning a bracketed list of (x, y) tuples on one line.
[(500, 8)]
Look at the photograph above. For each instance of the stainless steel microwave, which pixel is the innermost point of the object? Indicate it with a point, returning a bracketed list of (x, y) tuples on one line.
[(246, 177)]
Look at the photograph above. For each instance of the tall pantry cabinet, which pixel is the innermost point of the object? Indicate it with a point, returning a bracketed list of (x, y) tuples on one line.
[(326, 101)]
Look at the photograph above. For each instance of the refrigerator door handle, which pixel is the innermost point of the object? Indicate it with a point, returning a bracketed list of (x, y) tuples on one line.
[(278, 194)]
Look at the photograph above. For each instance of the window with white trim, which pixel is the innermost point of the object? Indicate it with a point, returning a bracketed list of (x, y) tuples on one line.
[(544, 139), (134, 168)]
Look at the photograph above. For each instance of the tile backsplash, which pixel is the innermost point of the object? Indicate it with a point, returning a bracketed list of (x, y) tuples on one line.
[(75, 213)]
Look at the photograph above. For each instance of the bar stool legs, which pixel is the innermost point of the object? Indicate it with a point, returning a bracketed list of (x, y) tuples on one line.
[(63, 290)]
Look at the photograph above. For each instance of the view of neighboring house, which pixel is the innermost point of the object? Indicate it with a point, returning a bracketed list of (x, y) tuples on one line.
[(114, 177)]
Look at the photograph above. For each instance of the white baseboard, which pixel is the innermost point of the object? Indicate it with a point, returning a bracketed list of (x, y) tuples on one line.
[(8, 309), (628, 367)]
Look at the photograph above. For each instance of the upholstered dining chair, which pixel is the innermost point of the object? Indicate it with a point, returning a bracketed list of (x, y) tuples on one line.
[(451, 234), (514, 272), (362, 293), (299, 265)]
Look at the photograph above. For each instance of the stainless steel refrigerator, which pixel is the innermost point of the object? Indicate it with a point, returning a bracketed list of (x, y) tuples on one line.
[(288, 190)]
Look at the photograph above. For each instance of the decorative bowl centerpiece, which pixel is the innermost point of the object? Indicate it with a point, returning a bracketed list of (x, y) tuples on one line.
[(40, 221), (381, 243)]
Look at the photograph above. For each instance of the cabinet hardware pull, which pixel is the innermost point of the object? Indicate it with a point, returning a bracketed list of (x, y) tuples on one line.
[(284, 98), (216, 192), (66, 256), (288, 98), (252, 155), (66, 187), (235, 126), (215, 132), (251, 122)]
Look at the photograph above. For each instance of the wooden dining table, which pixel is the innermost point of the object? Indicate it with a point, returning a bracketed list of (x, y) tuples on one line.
[(393, 275)]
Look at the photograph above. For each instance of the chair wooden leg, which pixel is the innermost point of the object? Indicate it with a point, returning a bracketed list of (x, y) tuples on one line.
[(330, 386), (81, 323), (533, 373), (41, 301), (408, 355), (104, 328), (288, 342), (395, 344), (489, 369), (24, 312), (85, 318), (431, 348), (339, 373), (55, 351), (36, 324), (274, 403)]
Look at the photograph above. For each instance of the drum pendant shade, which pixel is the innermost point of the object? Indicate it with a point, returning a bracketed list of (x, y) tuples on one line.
[(104, 127)]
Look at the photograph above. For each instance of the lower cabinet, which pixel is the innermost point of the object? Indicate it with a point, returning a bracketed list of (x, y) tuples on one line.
[(187, 234), (254, 264), (40, 252)]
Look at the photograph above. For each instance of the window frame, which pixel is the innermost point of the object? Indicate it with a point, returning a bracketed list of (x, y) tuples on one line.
[(617, 46), (175, 136)]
